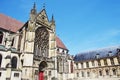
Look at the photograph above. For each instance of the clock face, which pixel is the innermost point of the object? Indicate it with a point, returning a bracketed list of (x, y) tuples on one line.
[(41, 42)]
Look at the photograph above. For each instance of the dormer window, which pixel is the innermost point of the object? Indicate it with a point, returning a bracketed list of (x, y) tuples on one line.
[(110, 53), (97, 56), (118, 50)]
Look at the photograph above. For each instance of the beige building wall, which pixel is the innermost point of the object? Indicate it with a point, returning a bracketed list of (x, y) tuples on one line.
[(109, 71)]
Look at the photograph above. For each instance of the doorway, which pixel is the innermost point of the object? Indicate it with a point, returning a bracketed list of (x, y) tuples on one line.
[(42, 67)]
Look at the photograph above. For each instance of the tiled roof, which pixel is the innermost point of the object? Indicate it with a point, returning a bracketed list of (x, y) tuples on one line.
[(60, 43), (9, 23), (91, 55)]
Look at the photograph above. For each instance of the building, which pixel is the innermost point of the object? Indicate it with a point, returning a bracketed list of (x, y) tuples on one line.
[(31, 50), (102, 64)]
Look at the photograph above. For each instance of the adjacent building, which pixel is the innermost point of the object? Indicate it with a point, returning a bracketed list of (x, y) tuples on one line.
[(102, 64)]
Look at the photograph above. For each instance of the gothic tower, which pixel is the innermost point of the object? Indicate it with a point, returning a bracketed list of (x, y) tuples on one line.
[(38, 47)]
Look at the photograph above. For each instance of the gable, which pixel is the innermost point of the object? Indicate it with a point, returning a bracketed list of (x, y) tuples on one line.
[(9, 23), (42, 16)]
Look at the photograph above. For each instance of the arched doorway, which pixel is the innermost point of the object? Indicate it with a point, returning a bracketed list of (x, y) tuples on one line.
[(42, 67)]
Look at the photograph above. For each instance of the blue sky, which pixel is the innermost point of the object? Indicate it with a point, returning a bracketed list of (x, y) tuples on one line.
[(81, 24)]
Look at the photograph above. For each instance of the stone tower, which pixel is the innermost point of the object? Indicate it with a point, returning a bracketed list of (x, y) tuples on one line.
[(38, 46)]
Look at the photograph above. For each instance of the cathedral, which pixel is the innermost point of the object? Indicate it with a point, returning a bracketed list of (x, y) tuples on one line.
[(33, 51)]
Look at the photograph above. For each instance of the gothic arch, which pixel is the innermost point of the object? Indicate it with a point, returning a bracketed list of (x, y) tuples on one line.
[(71, 66), (14, 62), (1, 37), (42, 66), (0, 60), (41, 42), (19, 40), (12, 42)]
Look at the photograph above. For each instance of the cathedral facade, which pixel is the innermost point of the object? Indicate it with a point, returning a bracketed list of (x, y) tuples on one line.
[(31, 50)]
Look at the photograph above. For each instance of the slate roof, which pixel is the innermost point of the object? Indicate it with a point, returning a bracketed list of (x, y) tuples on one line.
[(91, 55), (13, 25), (9, 23)]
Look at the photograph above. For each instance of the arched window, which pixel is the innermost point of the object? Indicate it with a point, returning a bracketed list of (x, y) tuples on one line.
[(93, 64), (0, 59), (118, 60), (14, 62), (88, 74), (114, 71), (99, 63), (100, 73), (82, 74), (77, 65), (82, 65), (41, 42), (87, 64), (112, 61), (77, 74), (1, 36), (12, 42), (71, 67), (19, 42), (107, 72), (105, 62), (22, 62)]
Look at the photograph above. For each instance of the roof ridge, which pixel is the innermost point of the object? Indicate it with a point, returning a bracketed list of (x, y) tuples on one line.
[(99, 49)]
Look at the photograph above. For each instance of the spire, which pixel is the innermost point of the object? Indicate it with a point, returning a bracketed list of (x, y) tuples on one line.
[(34, 6), (43, 5), (53, 21), (33, 10)]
